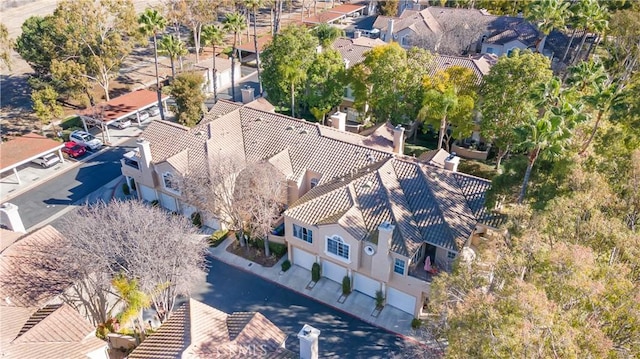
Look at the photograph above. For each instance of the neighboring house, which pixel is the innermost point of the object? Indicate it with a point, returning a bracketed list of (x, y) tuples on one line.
[(54, 332), (223, 71), (455, 31), (196, 330), (356, 209)]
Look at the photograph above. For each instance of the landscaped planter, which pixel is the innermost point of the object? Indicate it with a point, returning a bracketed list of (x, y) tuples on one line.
[(469, 153)]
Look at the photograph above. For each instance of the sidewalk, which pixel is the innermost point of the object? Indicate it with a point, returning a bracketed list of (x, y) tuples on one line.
[(326, 291)]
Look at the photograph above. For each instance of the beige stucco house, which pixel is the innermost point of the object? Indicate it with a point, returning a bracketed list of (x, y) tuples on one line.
[(355, 205)]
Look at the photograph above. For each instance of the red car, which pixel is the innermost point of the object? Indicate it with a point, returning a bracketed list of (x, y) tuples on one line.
[(73, 149)]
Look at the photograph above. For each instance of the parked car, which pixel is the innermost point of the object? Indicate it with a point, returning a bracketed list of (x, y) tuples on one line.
[(86, 139), (74, 150), (122, 123), (47, 160), (153, 110), (144, 115)]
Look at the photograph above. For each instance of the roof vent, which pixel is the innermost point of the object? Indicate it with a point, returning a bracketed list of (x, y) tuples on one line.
[(258, 119), (367, 184), (304, 132), (289, 128), (200, 133)]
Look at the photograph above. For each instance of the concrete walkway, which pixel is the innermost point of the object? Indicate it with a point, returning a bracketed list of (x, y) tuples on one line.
[(325, 291)]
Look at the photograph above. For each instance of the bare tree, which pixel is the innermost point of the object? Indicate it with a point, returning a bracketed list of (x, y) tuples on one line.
[(452, 38), (159, 250), (260, 196)]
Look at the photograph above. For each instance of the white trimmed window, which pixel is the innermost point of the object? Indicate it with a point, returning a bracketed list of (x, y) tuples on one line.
[(337, 247), (451, 255), (169, 182), (398, 266), (303, 233), (314, 182)]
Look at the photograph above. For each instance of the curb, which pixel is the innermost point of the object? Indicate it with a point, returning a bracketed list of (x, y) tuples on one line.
[(315, 299)]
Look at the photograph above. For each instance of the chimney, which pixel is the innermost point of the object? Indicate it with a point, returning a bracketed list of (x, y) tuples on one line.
[(10, 218), (339, 120), (452, 162), (382, 269), (247, 94), (346, 63), (398, 140), (144, 149), (390, 30), (308, 336), (357, 34)]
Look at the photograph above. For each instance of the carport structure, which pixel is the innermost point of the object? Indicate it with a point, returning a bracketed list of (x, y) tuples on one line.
[(24, 149), (335, 14), (105, 114)]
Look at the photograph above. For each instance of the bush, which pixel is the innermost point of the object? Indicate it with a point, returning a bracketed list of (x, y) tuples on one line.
[(416, 323), (346, 285), (286, 265), (196, 219), (218, 237), (125, 189), (276, 249), (315, 272), (155, 203), (380, 299)]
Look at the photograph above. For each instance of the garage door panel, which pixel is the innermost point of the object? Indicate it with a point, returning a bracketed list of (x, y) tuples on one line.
[(148, 194), (302, 258), (365, 285), (333, 271), (401, 300)]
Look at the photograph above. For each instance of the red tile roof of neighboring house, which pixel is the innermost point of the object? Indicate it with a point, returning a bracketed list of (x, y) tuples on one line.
[(25, 148), (324, 18), (123, 105), (54, 331), (347, 8), (249, 46)]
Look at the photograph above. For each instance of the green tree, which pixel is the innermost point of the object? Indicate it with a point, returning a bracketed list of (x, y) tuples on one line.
[(325, 84), (594, 17), (214, 35), (196, 14), (548, 15), (38, 42), (187, 91), (254, 6), (134, 302), (285, 62), (506, 93), (327, 34), (6, 44), (623, 47), (98, 37), (174, 48), (388, 7), (46, 106), (449, 101), (150, 23), (388, 83), (234, 23)]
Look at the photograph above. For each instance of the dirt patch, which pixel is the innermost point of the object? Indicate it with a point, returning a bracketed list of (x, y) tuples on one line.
[(253, 254)]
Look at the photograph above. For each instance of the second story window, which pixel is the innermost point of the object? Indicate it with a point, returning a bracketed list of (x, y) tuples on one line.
[(303, 233), (398, 266), (169, 182), (314, 182), (336, 246)]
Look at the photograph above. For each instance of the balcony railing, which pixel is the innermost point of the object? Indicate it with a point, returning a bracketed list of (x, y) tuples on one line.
[(131, 163)]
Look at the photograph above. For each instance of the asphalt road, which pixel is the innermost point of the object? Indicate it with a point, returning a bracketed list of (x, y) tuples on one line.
[(342, 336), (71, 187)]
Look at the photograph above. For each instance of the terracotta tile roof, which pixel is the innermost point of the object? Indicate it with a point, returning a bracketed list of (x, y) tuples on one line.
[(261, 104), (27, 278), (347, 8), (480, 64), (425, 203), (56, 331), (354, 49), (24, 148), (8, 237), (123, 105), (249, 46), (222, 107), (222, 64), (326, 17), (197, 330), (434, 157)]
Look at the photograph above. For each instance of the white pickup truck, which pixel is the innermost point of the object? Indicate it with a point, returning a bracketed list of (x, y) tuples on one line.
[(47, 160)]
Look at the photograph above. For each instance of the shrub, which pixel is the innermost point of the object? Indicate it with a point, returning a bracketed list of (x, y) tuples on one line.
[(346, 285), (276, 249), (315, 272), (218, 237), (155, 203), (125, 189), (416, 323), (196, 219), (286, 265), (379, 299)]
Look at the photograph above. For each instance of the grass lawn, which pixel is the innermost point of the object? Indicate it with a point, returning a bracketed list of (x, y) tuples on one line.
[(70, 122), (477, 168)]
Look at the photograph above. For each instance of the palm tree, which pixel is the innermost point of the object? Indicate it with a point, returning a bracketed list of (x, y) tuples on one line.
[(234, 23), (134, 301), (253, 6), (548, 130), (151, 22), (595, 18), (549, 15), (213, 35), (294, 75), (577, 21), (174, 48), (327, 34)]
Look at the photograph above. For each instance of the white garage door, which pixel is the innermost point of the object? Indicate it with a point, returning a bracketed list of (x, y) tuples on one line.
[(303, 259), (366, 285), (148, 194), (333, 271), (168, 202), (401, 300)]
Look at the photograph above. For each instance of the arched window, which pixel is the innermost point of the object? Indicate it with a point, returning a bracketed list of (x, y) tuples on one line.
[(169, 182), (337, 247)]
